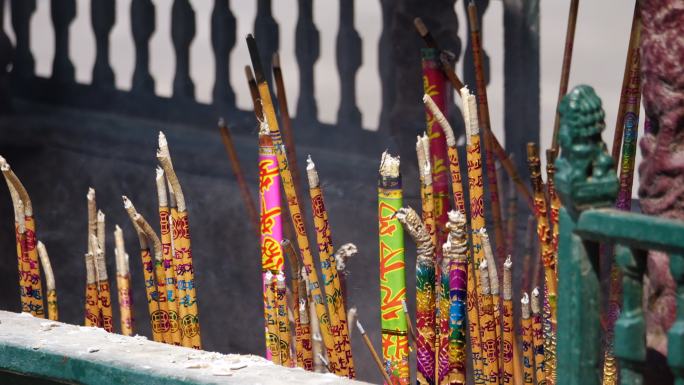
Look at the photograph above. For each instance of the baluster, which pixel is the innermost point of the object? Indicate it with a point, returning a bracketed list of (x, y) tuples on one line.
[(385, 63), (102, 15), (630, 328), (182, 33), (22, 10), (142, 27), (63, 12), (223, 40), (266, 34), (349, 58), (307, 51), (675, 336), (468, 69)]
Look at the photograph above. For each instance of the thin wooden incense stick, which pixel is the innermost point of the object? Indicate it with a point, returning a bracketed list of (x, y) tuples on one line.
[(425, 294), (30, 277), (494, 288), (286, 122), (272, 335), (161, 317), (283, 321), (527, 341), (432, 43), (477, 221), (169, 287), (183, 251), (538, 339), (489, 338), (123, 284), (548, 259), (508, 340), (567, 61), (92, 312), (52, 308), (332, 286), (148, 272), (270, 229), (373, 353), (456, 248), (392, 270), (303, 352), (292, 200), (95, 295), (483, 114), (104, 298), (316, 338), (227, 140)]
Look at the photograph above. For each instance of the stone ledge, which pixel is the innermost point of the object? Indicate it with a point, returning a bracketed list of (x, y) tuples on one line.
[(84, 355)]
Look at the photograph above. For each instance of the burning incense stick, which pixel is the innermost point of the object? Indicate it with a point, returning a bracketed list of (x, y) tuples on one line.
[(303, 352), (92, 216), (292, 199), (53, 312), (567, 60), (373, 353), (426, 190), (392, 275), (489, 337), (456, 248), (425, 294), (148, 272), (123, 283), (332, 286), (169, 273), (342, 255), (104, 299), (527, 341), (286, 122), (161, 318), (548, 259), (477, 221), (183, 252), (494, 289), (508, 347), (483, 114), (454, 165), (316, 339), (283, 321), (352, 316), (31, 289), (92, 312), (237, 171), (538, 339)]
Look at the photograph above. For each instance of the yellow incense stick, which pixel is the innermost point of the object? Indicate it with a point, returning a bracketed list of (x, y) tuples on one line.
[(92, 312), (148, 273), (183, 252), (494, 289), (283, 321), (53, 312), (293, 202), (104, 296), (489, 338), (123, 283), (333, 289), (508, 346), (538, 339), (273, 336), (527, 341)]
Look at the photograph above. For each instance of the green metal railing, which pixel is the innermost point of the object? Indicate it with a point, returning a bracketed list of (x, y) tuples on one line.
[(587, 184)]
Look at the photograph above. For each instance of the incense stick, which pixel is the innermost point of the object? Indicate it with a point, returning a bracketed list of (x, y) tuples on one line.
[(456, 248), (489, 337), (283, 321), (425, 294), (292, 197), (183, 252), (303, 352), (554, 200), (494, 289), (426, 190), (272, 335), (373, 353), (227, 140), (104, 298), (483, 114), (342, 255), (567, 61), (432, 43), (392, 270), (538, 339), (332, 286), (148, 272), (527, 341), (508, 346), (92, 312), (123, 283), (477, 221), (53, 311), (92, 216)]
